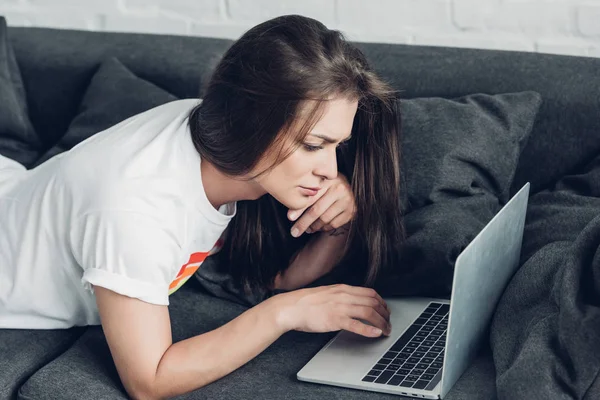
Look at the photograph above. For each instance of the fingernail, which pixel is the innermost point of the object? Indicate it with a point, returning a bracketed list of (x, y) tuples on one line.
[(309, 230), (293, 216), (376, 331), (295, 232)]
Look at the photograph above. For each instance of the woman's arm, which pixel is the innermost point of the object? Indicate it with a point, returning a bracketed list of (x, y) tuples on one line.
[(320, 255), (151, 366)]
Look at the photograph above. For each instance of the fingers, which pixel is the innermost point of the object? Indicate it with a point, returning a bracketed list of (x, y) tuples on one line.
[(312, 214), (371, 302), (338, 221), (360, 291), (368, 314), (294, 214), (333, 212), (355, 326)]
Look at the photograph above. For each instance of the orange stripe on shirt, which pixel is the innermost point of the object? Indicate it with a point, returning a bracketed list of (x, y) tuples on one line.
[(188, 269)]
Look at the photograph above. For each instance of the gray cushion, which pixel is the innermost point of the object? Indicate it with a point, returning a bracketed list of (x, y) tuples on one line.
[(23, 352), (17, 137), (460, 158), (114, 94), (57, 66), (464, 147), (86, 370)]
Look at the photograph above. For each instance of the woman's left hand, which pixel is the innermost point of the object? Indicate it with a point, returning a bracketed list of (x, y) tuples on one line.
[(334, 208)]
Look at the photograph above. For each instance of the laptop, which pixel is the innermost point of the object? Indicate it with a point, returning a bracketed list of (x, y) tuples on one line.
[(433, 340)]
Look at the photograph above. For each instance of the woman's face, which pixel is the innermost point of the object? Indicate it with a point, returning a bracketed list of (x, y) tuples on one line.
[(300, 176)]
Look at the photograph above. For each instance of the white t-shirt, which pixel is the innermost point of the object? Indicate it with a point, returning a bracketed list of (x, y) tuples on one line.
[(124, 210)]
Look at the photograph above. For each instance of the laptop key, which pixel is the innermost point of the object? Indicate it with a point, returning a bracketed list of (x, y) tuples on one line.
[(374, 372), (427, 360), (379, 366), (420, 385), (392, 368), (428, 343), (420, 321), (384, 377), (411, 378), (437, 348), (437, 332), (403, 371), (432, 371), (390, 354), (417, 371), (432, 307), (432, 355), (406, 383), (419, 354), (396, 380), (414, 359), (436, 365), (409, 365), (421, 333), (443, 309), (405, 338), (368, 378), (427, 377)]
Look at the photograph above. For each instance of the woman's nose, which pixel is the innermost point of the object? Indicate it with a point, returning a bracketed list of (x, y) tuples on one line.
[(328, 168)]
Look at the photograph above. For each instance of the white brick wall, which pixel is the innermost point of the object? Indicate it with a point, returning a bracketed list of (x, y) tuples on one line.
[(550, 26)]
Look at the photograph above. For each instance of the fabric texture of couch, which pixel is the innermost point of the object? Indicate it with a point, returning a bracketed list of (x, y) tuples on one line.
[(67, 79)]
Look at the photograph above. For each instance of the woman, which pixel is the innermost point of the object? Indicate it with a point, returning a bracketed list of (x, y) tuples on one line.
[(295, 134)]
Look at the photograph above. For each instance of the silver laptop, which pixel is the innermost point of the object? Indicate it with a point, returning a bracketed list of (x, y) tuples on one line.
[(433, 340)]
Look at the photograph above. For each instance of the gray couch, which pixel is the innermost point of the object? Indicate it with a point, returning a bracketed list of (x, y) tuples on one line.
[(57, 65)]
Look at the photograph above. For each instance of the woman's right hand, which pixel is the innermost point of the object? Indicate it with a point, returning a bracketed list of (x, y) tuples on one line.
[(332, 308)]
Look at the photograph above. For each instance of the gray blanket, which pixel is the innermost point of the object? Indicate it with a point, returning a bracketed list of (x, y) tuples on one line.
[(545, 335)]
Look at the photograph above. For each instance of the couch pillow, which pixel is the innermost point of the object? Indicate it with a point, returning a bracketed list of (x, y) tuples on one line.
[(113, 95), (18, 139), (465, 146), (460, 158)]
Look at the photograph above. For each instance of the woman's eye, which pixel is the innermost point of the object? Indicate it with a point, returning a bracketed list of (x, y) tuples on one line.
[(309, 147)]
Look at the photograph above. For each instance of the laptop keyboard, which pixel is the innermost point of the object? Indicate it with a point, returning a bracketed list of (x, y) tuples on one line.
[(418, 355)]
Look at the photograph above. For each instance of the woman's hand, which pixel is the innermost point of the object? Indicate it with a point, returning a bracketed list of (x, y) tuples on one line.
[(332, 208), (332, 308)]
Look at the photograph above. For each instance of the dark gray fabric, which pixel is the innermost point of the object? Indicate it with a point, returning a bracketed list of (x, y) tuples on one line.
[(459, 160), (114, 94), (86, 370), (464, 147), (58, 65), (23, 352), (18, 140), (546, 330)]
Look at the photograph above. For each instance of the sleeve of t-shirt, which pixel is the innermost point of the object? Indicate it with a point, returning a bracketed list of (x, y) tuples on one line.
[(129, 253)]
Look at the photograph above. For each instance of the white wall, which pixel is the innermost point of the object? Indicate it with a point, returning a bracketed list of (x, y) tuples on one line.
[(550, 26)]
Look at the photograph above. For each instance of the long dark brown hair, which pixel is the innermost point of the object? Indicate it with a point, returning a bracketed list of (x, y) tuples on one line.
[(249, 107)]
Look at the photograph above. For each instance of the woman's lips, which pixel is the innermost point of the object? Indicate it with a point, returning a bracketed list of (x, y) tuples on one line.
[(309, 191)]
